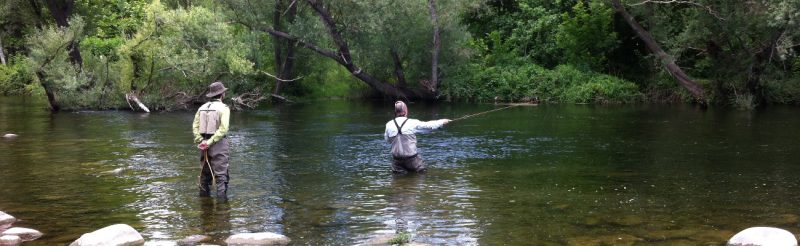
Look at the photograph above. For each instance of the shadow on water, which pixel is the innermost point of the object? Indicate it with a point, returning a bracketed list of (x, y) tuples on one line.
[(319, 173)]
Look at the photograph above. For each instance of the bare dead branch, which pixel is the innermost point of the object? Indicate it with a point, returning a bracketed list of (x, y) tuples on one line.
[(279, 79)]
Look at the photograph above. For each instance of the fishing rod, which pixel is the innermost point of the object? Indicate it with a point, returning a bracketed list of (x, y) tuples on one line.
[(484, 112), (210, 169)]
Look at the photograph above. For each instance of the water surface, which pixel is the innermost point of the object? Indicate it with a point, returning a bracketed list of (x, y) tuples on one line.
[(319, 173)]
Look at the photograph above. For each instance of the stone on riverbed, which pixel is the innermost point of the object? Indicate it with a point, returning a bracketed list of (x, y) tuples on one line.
[(116, 235), (10, 135), (24, 233), (763, 236), (193, 240), (262, 238), (10, 240), (6, 220)]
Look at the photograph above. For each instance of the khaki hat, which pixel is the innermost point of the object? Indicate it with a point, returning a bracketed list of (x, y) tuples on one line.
[(215, 89)]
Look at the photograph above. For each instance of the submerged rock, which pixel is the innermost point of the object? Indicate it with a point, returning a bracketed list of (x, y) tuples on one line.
[(23, 233), (10, 135), (381, 239), (10, 240), (193, 240), (763, 236), (261, 238), (116, 235), (6, 220)]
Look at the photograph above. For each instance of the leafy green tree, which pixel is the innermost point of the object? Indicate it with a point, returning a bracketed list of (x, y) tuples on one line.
[(587, 36), (177, 52)]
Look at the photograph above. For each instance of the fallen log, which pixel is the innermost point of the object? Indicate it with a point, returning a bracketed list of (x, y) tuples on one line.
[(132, 97)]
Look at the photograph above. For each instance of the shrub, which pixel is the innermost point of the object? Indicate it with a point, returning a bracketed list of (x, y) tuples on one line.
[(16, 77), (519, 82)]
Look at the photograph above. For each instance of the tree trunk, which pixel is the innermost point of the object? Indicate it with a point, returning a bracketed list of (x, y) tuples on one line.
[(669, 62), (38, 11), (283, 63), (398, 69), (434, 83), (48, 91), (2, 54), (760, 59), (61, 10), (343, 56)]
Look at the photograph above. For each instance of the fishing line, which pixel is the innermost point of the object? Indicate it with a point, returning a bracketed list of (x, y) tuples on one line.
[(484, 112)]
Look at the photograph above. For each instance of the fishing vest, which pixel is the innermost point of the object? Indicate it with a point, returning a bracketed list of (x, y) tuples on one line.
[(210, 117), (403, 145)]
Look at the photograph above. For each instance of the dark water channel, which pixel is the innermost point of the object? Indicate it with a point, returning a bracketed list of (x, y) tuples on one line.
[(319, 173)]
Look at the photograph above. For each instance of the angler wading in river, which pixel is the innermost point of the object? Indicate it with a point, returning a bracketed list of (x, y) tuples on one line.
[(400, 133), (210, 128)]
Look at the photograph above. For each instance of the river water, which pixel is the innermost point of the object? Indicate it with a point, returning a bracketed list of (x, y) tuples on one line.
[(319, 173)]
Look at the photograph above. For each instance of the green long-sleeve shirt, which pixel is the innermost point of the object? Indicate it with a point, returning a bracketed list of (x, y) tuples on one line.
[(222, 130)]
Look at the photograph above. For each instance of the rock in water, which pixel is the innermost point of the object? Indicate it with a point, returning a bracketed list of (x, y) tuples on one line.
[(10, 135), (10, 240), (193, 240), (116, 235), (6, 220), (763, 236), (24, 233), (262, 238)]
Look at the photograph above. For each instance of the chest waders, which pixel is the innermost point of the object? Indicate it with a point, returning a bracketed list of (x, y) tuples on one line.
[(404, 146), (404, 151), (215, 156)]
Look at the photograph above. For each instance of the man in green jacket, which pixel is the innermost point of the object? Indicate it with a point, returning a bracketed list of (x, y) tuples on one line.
[(210, 128)]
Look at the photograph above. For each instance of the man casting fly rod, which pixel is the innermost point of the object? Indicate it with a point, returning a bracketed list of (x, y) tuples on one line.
[(400, 133)]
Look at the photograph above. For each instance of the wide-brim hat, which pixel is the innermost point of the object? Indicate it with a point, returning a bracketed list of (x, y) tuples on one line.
[(215, 89)]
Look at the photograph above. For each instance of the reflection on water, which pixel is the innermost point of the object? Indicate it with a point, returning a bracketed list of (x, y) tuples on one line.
[(319, 173)]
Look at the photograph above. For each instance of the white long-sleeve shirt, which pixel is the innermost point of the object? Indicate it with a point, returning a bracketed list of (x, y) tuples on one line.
[(412, 126)]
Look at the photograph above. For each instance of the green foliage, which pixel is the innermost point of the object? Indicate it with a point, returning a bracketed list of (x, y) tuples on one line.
[(399, 239), (16, 77), (102, 47), (112, 18), (783, 91), (522, 82), (182, 51), (586, 35), (74, 87)]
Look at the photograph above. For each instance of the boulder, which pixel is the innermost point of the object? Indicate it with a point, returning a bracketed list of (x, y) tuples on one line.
[(24, 233), (10, 240), (193, 240), (763, 236), (6, 220), (114, 235), (261, 238)]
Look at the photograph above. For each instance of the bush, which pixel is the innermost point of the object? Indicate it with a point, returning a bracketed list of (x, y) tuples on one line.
[(525, 81), (16, 78)]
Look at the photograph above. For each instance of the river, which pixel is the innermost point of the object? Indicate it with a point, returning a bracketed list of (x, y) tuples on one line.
[(319, 174)]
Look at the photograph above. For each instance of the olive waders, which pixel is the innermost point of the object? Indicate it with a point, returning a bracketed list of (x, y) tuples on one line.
[(214, 168)]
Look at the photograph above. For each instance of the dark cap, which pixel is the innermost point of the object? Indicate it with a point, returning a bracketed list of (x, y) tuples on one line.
[(215, 89)]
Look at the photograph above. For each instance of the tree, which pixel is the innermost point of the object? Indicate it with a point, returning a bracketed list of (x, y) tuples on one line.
[(374, 41), (284, 49), (697, 91), (61, 10)]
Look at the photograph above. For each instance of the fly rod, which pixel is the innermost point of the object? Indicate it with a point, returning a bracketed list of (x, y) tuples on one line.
[(210, 169), (484, 112)]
